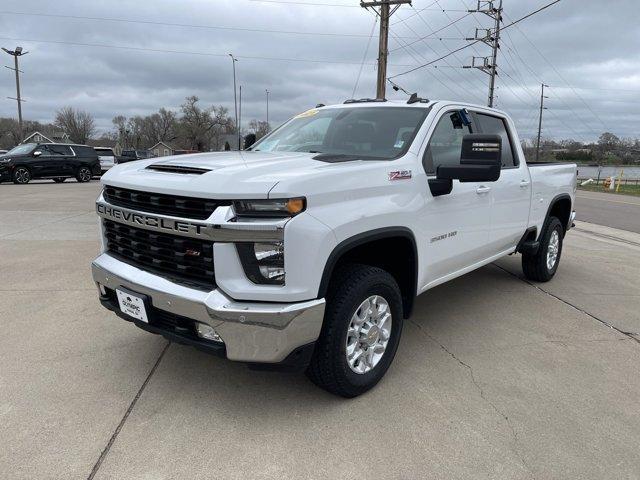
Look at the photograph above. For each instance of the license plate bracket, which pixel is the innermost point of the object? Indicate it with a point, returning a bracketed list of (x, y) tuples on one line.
[(132, 304)]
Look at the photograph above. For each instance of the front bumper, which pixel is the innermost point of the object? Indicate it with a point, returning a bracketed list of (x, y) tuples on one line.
[(254, 332)]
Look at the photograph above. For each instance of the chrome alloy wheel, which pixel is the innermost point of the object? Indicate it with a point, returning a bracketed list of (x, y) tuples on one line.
[(22, 175), (552, 250), (84, 174), (368, 334)]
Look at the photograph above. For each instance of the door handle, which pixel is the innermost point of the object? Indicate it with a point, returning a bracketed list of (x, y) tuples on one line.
[(524, 183), (483, 189)]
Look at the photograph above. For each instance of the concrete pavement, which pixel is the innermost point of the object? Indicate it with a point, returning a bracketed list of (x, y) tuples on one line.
[(495, 377), (617, 211)]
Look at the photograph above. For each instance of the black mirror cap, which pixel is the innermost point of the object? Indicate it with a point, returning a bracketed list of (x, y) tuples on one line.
[(480, 149), (469, 173)]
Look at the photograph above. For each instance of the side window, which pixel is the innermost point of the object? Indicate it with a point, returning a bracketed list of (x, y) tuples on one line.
[(445, 144), (44, 150), (59, 150), (496, 126)]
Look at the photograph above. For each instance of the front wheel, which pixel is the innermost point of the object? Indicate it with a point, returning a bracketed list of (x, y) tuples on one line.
[(361, 331), (542, 266), (21, 175), (84, 175)]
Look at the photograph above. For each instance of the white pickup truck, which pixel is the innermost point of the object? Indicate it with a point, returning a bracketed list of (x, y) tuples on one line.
[(307, 250)]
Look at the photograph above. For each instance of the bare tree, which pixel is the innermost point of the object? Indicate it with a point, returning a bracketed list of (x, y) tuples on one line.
[(78, 124), (199, 126), (260, 128)]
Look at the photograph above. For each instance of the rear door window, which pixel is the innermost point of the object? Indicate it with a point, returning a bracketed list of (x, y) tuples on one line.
[(497, 126)]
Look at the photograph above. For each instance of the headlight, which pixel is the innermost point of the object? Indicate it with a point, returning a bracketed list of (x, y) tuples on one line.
[(286, 207), (263, 263)]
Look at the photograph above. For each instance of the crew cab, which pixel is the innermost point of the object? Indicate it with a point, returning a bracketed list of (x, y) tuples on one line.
[(307, 250), (56, 161)]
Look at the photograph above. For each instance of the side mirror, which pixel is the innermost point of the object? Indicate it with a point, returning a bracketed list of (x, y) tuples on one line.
[(480, 160), (37, 153)]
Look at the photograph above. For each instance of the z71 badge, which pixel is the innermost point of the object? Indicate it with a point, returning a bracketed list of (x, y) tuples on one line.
[(400, 175)]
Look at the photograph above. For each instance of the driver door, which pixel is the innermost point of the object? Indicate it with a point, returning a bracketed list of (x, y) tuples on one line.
[(456, 226)]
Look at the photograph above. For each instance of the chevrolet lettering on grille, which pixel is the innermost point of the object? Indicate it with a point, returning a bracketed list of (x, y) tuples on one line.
[(150, 221)]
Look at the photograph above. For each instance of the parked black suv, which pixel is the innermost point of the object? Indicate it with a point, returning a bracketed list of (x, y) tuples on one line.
[(57, 161)]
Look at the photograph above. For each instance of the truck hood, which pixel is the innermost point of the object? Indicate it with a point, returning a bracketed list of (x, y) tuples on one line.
[(222, 174)]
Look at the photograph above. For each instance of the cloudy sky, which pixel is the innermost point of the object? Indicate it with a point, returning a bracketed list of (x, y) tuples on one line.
[(132, 57)]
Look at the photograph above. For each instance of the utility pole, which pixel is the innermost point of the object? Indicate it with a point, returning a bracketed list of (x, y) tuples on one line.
[(235, 98), (267, 92), (542, 107), (240, 122), (384, 11), (491, 37), (15, 54)]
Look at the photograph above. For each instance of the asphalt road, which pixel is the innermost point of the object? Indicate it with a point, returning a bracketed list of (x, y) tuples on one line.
[(617, 211), (495, 377)]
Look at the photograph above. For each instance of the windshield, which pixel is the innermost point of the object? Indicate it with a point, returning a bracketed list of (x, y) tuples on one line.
[(22, 149), (364, 132)]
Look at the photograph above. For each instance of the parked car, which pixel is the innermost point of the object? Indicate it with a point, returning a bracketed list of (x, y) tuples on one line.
[(2, 151), (308, 249), (56, 161), (131, 155), (106, 156)]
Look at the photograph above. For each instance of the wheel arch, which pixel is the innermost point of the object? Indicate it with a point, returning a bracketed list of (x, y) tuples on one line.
[(400, 259), (560, 207)]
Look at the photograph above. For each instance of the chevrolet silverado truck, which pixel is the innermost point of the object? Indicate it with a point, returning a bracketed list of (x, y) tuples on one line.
[(307, 250)]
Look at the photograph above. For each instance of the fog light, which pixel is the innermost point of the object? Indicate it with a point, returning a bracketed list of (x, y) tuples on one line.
[(207, 332)]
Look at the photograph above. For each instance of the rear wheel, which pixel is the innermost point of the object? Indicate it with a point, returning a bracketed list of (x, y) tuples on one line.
[(361, 331), (59, 179), (84, 175), (21, 175), (542, 266)]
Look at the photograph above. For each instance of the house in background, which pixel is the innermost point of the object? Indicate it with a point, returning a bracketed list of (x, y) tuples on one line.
[(164, 149), (53, 137)]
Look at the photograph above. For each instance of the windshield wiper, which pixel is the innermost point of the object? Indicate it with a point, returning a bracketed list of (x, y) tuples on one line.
[(343, 157)]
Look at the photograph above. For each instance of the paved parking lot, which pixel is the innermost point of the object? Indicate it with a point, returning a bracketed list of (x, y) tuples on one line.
[(495, 377)]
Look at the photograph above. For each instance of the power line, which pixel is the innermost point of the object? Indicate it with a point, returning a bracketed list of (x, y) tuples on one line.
[(186, 25), (364, 57), (185, 52), (319, 4), (473, 43), (432, 34)]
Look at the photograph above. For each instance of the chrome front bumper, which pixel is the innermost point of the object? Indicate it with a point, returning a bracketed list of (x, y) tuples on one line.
[(256, 332)]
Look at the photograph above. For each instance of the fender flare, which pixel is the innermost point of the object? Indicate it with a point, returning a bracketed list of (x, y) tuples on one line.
[(366, 237), (556, 199)]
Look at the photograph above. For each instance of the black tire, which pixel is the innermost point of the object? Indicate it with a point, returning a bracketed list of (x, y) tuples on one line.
[(349, 288), (84, 174), (21, 176), (535, 267), (59, 179)]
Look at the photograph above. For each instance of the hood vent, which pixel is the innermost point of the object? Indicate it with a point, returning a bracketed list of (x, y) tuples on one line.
[(159, 167)]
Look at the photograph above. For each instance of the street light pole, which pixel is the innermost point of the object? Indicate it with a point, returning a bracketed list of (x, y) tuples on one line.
[(235, 98), (15, 54), (240, 121), (267, 92)]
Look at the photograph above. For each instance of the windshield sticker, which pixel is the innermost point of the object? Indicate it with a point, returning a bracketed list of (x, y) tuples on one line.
[(399, 144), (308, 113), (400, 175)]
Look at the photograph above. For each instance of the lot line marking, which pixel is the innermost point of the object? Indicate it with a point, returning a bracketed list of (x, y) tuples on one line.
[(630, 335), (106, 450)]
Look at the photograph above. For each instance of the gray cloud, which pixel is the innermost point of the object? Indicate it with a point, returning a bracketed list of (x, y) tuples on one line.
[(578, 48)]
